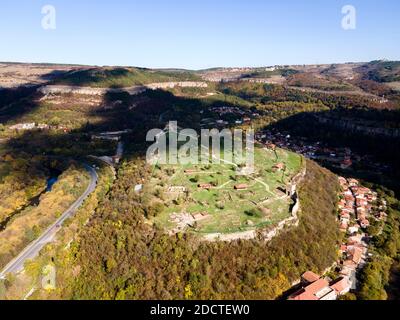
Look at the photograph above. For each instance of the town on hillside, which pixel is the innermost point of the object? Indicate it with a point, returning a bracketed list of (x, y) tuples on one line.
[(358, 206)]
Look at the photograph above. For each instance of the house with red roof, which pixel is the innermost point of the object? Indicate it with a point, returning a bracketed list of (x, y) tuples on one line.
[(341, 286), (317, 290), (309, 277)]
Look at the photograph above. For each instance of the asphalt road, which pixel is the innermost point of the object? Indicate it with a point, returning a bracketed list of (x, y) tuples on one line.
[(33, 249)]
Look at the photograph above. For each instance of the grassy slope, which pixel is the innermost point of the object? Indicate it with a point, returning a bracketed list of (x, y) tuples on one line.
[(228, 207)]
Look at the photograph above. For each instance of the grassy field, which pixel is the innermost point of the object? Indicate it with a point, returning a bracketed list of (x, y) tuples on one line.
[(225, 209)]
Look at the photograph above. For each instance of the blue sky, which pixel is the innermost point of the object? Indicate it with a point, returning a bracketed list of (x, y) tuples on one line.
[(199, 34)]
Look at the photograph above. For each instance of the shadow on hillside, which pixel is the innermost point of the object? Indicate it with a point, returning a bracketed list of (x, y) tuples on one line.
[(16, 102), (24, 99), (55, 74), (153, 109), (89, 76), (118, 111)]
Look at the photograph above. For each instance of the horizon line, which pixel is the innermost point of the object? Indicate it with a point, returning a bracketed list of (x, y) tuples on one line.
[(190, 69)]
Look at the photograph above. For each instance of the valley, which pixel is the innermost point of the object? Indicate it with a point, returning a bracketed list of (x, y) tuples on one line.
[(194, 231)]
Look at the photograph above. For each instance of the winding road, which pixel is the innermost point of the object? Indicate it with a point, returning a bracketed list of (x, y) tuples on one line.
[(33, 249)]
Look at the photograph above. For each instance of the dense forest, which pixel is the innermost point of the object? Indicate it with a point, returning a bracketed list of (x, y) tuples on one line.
[(20, 180), (33, 220)]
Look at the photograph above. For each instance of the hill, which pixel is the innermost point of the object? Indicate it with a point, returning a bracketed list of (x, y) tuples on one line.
[(121, 77), (381, 71), (152, 265)]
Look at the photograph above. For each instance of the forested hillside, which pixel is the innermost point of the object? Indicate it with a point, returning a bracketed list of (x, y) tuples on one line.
[(121, 77), (20, 180), (121, 257), (33, 220)]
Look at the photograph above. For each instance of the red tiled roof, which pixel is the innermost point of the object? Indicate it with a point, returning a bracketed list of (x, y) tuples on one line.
[(317, 286), (241, 186), (205, 186), (357, 255), (190, 171), (309, 292), (310, 276), (303, 295), (341, 285), (350, 264)]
